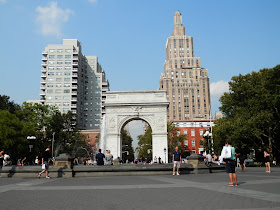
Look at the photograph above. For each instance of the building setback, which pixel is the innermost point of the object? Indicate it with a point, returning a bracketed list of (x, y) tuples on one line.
[(74, 82), (186, 83)]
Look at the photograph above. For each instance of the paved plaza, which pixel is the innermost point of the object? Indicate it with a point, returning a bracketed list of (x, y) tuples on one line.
[(256, 190)]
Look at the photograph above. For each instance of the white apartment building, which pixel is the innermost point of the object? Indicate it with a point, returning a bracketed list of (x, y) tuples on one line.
[(73, 82)]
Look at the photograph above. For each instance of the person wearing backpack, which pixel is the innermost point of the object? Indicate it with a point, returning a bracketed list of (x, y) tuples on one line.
[(230, 164)]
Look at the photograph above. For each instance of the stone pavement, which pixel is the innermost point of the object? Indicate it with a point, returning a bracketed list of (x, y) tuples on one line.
[(256, 190)]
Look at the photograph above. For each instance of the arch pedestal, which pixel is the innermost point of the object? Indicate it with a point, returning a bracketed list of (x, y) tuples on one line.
[(122, 107)]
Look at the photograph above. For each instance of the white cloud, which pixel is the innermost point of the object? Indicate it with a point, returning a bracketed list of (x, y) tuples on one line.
[(92, 1), (52, 18), (219, 88)]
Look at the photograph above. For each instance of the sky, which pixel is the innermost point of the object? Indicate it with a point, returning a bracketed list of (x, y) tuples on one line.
[(129, 37)]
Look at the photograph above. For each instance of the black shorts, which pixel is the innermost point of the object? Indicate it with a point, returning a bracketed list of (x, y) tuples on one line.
[(230, 166)]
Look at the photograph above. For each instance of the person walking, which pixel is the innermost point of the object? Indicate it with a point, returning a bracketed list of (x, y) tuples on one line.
[(45, 163), (266, 161), (99, 158), (230, 165), (176, 158), (1, 161)]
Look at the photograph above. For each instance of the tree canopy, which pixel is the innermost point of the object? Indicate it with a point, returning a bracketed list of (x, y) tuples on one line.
[(251, 112)]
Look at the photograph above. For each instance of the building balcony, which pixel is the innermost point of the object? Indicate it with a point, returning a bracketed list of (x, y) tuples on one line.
[(73, 99), (44, 64), (44, 58), (43, 70), (75, 63), (42, 94), (75, 52), (43, 87), (74, 87), (74, 81), (43, 82), (74, 106), (44, 53), (74, 93), (43, 75), (75, 70), (74, 111), (75, 58), (74, 75)]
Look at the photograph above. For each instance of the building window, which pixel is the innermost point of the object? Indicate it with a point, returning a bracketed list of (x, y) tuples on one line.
[(59, 62), (66, 91), (66, 79), (60, 50), (68, 50), (192, 133), (200, 132), (186, 143), (59, 56), (51, 50), (185, 132), (67, 61), (178, 133), (67, 56), (193, 143)]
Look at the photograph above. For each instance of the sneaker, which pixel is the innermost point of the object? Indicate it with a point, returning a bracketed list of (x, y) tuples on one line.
[(173, 174), (178, 174), (47, 177), (39, 175)]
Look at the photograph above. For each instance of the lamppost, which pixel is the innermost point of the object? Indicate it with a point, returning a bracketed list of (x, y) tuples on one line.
[(208, 135), (164, 154), (30, 138), (53, 143)]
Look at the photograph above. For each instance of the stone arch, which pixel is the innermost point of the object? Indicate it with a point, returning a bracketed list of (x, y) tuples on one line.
[(124, 106)]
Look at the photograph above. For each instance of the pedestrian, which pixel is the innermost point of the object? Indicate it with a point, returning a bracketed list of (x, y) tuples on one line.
[(1, 161), (155, 159), (274, 161), (208, 159), (100, 158), (230, 164), (266, 161), (242, 162), (108, 158), (159, 160), (176, 158), (36, 160), (45, 162)]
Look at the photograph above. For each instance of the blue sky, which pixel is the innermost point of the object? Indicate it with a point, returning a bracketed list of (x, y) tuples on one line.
[(230, 37)]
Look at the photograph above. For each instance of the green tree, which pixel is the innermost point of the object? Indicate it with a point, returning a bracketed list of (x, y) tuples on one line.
[(145, 145), (127, 149), (13, 133), (251, 112), (6, 104), (62, 127)]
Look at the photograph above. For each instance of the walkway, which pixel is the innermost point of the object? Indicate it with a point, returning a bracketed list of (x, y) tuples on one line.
[(257, 190)]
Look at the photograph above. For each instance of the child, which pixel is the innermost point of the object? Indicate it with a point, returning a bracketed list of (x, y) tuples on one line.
[(274, 161)]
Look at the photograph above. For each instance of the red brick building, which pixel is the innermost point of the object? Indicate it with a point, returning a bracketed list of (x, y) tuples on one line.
[(91, 139), (194, 129)]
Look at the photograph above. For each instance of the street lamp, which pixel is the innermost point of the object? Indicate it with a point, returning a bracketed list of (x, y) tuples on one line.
[(53, 143), (208, 135), (30, 138)]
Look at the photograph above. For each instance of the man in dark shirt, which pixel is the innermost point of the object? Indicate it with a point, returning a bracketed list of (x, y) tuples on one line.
[(176, 157), (100, 158), (45, 162)]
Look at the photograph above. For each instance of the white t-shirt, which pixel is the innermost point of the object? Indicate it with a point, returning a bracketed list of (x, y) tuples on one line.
[(209, 157)]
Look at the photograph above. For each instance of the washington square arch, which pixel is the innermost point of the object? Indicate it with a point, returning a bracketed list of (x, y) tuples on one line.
[(121, 107)]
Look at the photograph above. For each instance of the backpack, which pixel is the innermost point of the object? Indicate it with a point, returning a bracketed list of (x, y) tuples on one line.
[(226, 152)]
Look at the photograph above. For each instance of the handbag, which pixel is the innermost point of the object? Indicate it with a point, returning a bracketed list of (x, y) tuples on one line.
[(43, 166), (226, 152)]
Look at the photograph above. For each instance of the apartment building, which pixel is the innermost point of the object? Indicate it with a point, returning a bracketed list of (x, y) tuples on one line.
[(186, 82), (73, 82)]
